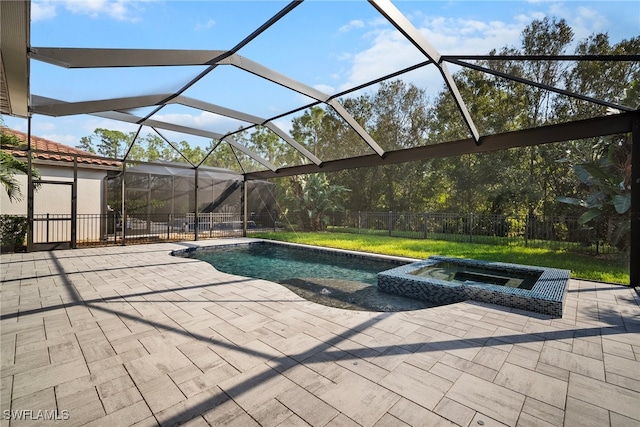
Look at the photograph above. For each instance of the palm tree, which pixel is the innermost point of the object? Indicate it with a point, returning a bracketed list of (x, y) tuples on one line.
[(313, 198), (10, 166)]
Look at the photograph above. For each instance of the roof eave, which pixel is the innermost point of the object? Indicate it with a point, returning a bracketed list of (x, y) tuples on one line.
[(14, 62)]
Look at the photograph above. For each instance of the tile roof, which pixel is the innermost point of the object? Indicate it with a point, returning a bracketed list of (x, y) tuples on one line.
[(45, 149)]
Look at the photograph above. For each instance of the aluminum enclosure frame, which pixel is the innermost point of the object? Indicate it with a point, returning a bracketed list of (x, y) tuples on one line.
[(17, 100)]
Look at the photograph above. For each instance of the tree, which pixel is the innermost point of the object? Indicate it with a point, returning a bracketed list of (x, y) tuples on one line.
[(86, 144), (269, 146), (611, 78), (115, 144), (10, 165), (397, 116), (194, 154), (312, 199), (222, 155), (110, 143), (607, 179), (309, 128), (533, 177)]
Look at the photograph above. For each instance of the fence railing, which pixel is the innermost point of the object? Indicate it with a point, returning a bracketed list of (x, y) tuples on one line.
[(99, 229), (556, 232)]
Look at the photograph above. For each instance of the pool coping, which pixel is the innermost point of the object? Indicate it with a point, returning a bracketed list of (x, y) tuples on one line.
[(250, 241), (547, 296)]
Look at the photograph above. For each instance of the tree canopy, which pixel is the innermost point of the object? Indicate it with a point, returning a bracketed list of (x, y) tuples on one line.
[(398, 114)]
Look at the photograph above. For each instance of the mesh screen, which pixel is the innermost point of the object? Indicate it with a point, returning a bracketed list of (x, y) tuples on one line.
[(153, 189)]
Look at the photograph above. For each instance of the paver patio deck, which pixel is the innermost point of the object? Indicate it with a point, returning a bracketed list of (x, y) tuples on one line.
[(130, 335)]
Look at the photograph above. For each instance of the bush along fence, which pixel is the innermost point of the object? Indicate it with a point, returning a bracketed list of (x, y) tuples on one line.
[(557, 232), (13, 233)]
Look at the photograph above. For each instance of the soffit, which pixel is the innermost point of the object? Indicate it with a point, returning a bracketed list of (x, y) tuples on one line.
[(14, 63)]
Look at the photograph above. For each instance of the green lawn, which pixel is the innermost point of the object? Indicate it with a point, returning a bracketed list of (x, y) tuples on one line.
[(588, 267)]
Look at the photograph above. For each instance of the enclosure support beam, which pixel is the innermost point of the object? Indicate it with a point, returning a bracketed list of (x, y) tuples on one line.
[(634, 250), (245, 193), (123, 208), (74, 204), (196, 226), (411, 33), (29, 189), (588, 128)]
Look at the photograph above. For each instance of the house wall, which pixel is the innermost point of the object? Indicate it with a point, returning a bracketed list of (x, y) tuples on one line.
[(56, 199)]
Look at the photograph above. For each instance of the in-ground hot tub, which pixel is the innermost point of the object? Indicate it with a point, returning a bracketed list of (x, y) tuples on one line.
[(446, 280)]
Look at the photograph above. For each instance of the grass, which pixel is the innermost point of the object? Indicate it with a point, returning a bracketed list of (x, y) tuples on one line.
[(587, 267)]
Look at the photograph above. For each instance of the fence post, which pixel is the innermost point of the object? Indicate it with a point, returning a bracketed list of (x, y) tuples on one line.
[(424, 218), (471, 228), (359, 221), (196, 218), (115, 228), (47, 227), (526, 231), (168, 226), (390, 222)]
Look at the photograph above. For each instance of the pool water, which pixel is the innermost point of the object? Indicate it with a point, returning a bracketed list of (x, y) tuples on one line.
[(328, 278), (455, 272)]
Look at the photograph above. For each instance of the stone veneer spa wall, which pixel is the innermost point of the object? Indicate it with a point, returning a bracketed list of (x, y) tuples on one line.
[(470, 280)]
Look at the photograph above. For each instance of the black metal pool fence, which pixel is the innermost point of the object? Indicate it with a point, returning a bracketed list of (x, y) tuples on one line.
[(62, 230), (552, 232), (558, 232)]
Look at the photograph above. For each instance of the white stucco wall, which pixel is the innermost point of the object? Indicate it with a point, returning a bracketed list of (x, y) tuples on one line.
[(56, 199)]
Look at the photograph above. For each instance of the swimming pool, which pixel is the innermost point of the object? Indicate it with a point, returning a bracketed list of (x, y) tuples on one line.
[(329, 277)]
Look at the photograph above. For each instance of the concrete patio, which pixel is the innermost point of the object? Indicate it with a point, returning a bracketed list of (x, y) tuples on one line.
[(130, 335)]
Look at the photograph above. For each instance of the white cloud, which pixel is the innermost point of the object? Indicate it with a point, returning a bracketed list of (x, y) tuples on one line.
[(389, 51), (356, 23), (583, 20), (14, 123), (90, 124), (45, 126), (205, 26), (120, 10), (70, 140), (344, 56), (203, 120), (586, 22), (42, 10), (465, 36), (327, 89), (284, 124)]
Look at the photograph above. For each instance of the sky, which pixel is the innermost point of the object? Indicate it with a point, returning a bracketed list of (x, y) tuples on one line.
[(328, 45)]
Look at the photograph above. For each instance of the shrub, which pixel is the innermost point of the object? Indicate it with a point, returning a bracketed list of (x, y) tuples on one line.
[(13, 231)]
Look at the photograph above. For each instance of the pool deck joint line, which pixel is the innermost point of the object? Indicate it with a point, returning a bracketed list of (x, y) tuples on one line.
[(132, 336)]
